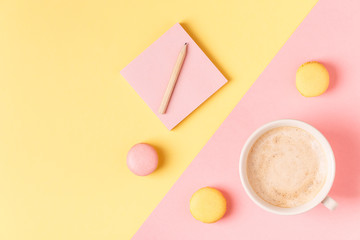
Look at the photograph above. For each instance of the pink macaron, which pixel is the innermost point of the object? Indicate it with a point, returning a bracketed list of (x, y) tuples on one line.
[(142, 159)]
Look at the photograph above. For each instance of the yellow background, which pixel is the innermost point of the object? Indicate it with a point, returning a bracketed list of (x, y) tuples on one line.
[(68, 118)]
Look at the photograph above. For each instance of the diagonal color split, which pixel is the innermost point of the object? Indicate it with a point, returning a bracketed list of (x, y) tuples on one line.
[(327, 35)]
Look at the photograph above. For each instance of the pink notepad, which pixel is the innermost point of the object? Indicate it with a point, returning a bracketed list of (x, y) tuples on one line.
[(150, 72)]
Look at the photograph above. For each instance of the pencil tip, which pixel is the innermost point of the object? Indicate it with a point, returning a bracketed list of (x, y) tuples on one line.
[(186, 43)]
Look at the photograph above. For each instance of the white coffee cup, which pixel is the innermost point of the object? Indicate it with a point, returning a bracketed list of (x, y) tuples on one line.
[(321, 197)]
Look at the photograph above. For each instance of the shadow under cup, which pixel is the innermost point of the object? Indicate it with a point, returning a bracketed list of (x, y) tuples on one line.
[(321, 196)]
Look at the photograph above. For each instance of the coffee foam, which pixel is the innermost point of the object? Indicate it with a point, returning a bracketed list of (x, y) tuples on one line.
[(286, 167)]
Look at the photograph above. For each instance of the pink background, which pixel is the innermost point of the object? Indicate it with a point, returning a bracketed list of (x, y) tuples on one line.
[(150, 72), (330, 34)]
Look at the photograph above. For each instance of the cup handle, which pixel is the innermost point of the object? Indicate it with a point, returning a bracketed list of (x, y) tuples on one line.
[(330, 203)]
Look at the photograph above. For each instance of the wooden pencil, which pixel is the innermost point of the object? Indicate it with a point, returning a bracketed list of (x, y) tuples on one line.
[(173, 79)]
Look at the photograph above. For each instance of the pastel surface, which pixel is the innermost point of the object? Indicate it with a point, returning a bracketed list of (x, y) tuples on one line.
[(273, 97), (68, 118), (208, 205)]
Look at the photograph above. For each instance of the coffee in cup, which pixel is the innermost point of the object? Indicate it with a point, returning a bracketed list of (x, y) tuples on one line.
[(286, 166)]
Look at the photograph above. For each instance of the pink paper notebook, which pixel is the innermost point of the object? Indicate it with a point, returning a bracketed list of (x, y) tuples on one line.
[(329, 35), (150, 72)]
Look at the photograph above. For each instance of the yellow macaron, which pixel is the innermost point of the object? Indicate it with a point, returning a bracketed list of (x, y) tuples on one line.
[(312, 79), (208, 205)]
